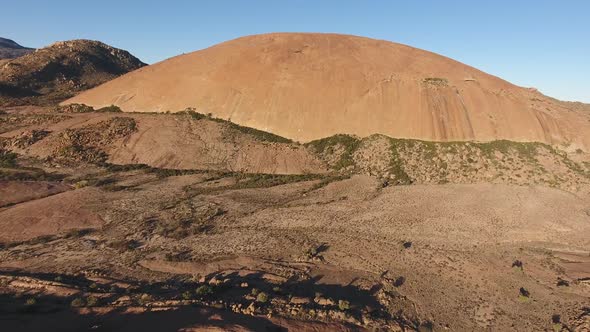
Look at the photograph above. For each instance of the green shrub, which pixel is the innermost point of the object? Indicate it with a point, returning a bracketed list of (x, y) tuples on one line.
[(524, 295), (8, 159), (78, 302), (326, 146), (271, 180), (556, 320), (165, 172), (262, 297), (187, 295), (396, 164), (193, 114), (204, 290), (110, 109), (31, 302), (80, 184), (144, 299), (343, 305), (518, 265), (92, 301), (74, 108)]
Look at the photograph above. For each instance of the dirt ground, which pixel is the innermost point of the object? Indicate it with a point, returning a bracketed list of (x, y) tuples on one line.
[(402, 257), (100, 246)]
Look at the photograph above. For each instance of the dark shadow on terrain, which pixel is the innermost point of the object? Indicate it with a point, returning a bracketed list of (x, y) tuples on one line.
[(48, 311), (358, 299), (13, 91), (51, 314)]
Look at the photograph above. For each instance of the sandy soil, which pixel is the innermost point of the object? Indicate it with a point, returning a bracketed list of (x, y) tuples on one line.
[(405, 251), (54, 214), (12, 192)]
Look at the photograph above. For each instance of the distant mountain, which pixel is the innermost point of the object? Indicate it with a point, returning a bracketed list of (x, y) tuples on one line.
[(9, 49), (59, 71)]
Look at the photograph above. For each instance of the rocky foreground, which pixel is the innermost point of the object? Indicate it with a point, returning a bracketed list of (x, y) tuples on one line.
[(106, 227)]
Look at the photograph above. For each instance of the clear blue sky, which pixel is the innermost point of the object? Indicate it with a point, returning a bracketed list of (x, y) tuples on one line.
[(539, 43)]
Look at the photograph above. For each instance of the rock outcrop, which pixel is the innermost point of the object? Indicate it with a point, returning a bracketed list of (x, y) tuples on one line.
[(308, 86)]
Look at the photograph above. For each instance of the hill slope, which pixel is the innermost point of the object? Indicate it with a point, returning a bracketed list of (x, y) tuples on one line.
[(58, 71), (180, 141), (309, 86), (192, 141), (10, 49)]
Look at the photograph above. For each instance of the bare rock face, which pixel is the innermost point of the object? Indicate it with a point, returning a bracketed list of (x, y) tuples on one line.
[(54, 73), (306, 86)]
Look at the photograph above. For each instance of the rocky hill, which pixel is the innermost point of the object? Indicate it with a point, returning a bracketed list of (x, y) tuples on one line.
[(186, 140), (59, 71), (310, 86), (189, 140), (9, 49)]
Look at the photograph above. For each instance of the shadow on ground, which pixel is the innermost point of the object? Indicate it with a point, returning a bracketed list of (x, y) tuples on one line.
[(180, 304)]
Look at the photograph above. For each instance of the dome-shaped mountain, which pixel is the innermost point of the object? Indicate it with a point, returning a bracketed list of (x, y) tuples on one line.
[(306, 86), (58, 71)]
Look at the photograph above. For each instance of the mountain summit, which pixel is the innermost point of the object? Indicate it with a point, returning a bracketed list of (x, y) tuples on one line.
[(10, 49), (310, 85), (60, 70)]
